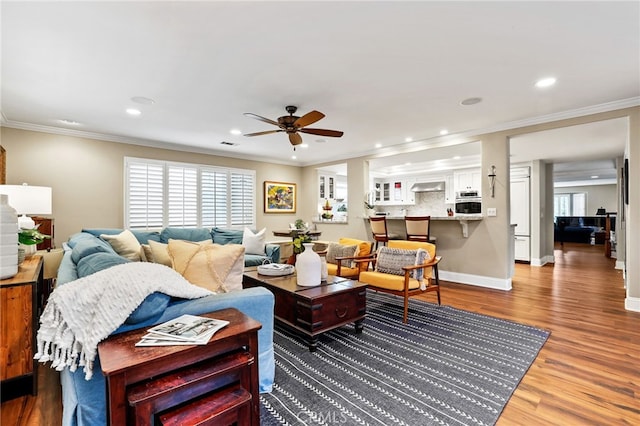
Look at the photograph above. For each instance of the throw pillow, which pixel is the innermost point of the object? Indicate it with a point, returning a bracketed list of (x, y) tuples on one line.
[(391, 261), (159, 253), (338, 250), (254, 242), (215, 267), (97, 262), (125, 244), (86, 248), (146, 255)]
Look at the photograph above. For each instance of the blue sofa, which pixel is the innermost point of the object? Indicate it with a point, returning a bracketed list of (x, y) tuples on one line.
[(84, 401)]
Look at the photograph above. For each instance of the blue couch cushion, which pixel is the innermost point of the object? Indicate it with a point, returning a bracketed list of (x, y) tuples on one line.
[(256, 260), (187, 234), (86, 247), (97, 262), (142, 236), (226, 236), (150, 309)]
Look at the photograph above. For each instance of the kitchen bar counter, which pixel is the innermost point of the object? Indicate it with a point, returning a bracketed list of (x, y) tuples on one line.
[(463, 219)]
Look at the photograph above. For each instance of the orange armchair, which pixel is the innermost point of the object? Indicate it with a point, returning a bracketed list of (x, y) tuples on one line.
[(403, 283), (360, 260)]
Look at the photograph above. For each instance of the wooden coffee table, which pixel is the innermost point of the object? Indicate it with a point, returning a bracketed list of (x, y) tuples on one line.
[(313, 310)]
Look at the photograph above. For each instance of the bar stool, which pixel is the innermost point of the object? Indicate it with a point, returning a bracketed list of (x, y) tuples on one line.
[(419, 229), (379, 230)]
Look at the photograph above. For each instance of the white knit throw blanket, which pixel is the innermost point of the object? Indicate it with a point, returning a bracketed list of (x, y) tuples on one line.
[(82, 313)]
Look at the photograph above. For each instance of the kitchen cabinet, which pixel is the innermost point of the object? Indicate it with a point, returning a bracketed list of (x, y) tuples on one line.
[(522, 248), (394, 192), (449, 190), (326, 186), (467, 180), (520, 213)]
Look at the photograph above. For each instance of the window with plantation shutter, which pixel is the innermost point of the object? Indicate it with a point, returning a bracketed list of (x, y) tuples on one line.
[(160, 194)]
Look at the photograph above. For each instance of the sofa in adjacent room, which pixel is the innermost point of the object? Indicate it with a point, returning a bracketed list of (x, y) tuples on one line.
[(84, 401)]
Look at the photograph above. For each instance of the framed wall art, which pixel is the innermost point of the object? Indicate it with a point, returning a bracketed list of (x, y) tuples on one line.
[(279, 197)]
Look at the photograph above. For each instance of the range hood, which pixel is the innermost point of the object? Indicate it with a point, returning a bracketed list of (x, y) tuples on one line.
[(428, 187)]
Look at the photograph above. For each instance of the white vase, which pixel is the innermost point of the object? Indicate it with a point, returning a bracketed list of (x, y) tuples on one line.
[(8, 239), (308, 265), (324, 271)]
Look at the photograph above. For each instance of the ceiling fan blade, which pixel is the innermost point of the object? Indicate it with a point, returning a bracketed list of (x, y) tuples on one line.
[(323, 132), (295, 139), (308, 118), (266, 132), (258, 117)]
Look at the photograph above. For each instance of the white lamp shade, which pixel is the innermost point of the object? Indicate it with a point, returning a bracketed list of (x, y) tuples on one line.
[(28, 199)]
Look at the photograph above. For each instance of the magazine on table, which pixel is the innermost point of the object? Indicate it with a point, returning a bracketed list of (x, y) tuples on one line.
[(184, 330)]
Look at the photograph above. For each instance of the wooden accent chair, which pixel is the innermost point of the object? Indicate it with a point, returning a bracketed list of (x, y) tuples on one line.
[(379, 230), (419, 228), (405, 285), (340, 268)]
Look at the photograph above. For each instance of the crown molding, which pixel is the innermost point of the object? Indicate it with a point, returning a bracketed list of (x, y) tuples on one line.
[(417, 145)]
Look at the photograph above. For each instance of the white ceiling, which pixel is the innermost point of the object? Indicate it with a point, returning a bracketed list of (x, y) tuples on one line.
[(380, 71)]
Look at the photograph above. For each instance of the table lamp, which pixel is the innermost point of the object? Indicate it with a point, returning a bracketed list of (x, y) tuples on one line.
[(28, 199)]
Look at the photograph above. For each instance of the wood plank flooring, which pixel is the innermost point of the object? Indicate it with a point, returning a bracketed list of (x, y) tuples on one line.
[(588, 372)]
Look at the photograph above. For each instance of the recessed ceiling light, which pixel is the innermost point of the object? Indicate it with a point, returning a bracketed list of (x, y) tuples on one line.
[(407, 164), (69, 122), (235, 132), (142, 100), (546, 82), (304, 145), (408, 139), (457, 157), (444, 132), (378, 145), (471, 101), (293, 157), (133, 111), (595, 177)]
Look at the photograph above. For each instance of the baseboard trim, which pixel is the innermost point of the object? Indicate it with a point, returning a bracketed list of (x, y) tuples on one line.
[(543, 261), (477, 280), (620, 265), (632, 304)]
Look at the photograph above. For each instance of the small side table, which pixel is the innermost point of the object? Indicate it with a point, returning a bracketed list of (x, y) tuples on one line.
[(19, 312), (216, 382)]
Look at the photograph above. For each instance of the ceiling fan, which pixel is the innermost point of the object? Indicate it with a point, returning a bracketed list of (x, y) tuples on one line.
[(292, 124)]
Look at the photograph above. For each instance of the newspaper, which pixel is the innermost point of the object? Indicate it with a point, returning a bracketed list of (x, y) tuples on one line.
[(184, 330)]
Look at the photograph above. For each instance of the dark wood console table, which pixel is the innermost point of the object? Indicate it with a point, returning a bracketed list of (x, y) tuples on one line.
[(199, 384), (20, 307)]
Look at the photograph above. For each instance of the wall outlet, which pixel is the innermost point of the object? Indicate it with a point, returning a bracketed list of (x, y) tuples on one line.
[(492, 212)]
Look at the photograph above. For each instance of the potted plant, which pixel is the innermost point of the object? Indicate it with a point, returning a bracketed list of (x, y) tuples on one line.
[(298, 246), (369, 207), (28, 239)]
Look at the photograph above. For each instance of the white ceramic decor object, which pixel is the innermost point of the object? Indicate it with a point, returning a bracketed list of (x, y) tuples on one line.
[(308, 265), (8, 239), (324, 271)]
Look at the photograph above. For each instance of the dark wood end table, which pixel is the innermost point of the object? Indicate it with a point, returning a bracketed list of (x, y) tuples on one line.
[(184, 384), (312, 311)]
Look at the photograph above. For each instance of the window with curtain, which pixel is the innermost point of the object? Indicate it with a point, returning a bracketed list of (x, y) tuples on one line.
[(160, 194)]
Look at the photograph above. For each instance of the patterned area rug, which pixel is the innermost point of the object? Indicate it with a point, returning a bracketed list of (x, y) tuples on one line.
[(445, 367)]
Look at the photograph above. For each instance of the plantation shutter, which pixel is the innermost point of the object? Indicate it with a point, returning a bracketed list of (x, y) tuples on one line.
[(215, 201), (182, 196), (145, 194), (161, 194), (242, 199)]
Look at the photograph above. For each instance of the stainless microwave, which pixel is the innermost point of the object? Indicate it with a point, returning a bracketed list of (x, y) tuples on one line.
[(468, 206)]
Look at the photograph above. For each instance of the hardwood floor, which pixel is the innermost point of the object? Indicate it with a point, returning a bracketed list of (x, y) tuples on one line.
[(588, 372)]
